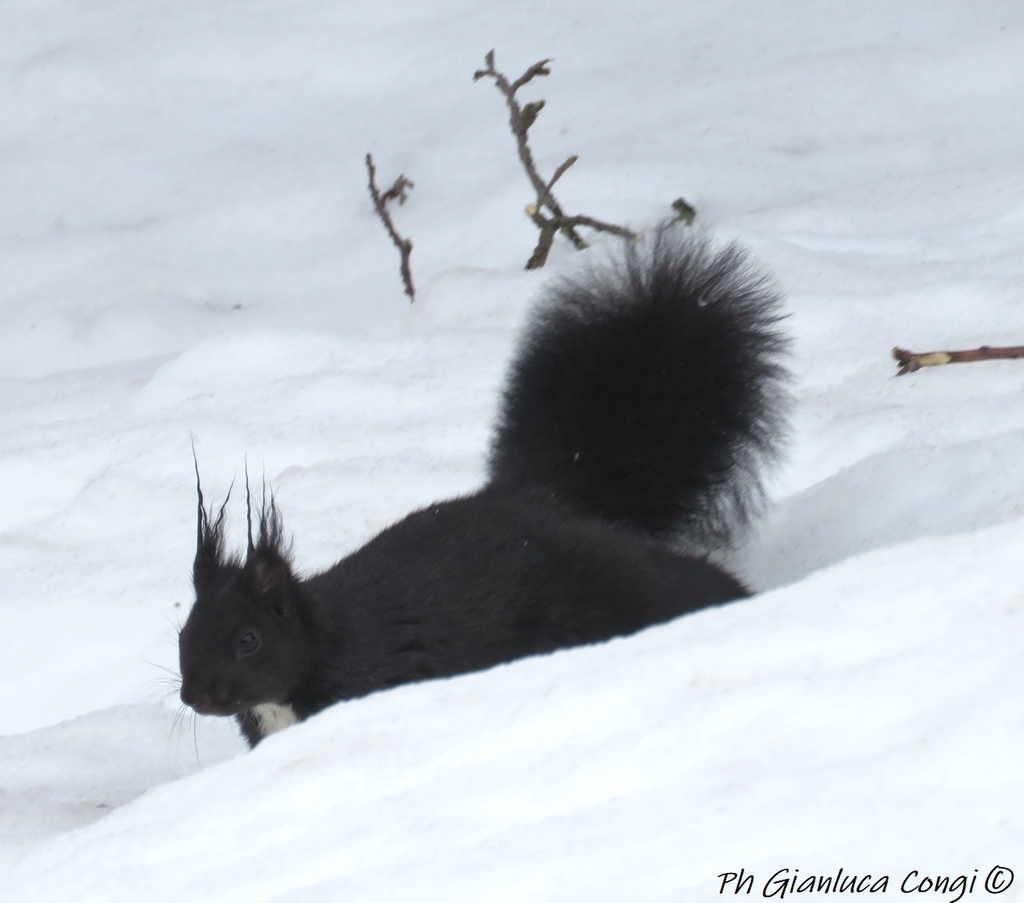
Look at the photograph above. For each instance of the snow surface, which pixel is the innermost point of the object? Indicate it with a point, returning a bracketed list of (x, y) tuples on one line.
[(187, 247)]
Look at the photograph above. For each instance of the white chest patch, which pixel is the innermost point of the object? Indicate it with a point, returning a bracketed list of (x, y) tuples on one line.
[(272, 717)]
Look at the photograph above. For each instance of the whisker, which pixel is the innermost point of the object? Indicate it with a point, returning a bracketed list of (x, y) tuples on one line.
[(195, 740), (165, 679), (175, 724), (146, 661)]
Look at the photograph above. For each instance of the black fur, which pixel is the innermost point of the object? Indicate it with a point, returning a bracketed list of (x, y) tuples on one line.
[(641, 403), (649, 394)]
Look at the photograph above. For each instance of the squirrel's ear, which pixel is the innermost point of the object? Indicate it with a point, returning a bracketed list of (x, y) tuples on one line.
[(267, 573), (206, 564), (269, 578)]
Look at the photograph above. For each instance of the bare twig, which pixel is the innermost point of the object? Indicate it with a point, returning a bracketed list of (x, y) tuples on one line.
[(396, 192), (520, 119), (561, 171), (910, 361)]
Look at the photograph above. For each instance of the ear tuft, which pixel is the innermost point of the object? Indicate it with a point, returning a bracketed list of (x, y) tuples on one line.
[(271, 535), (209, 537), (267, 572)]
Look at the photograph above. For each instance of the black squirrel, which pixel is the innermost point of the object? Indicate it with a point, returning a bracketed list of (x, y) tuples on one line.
[(640, 406)]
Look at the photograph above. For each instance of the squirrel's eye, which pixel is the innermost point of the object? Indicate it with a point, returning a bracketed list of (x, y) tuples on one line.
[(248, 643)]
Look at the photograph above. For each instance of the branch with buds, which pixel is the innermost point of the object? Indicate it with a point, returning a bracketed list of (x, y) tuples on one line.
[(546, 213), (396, 192)]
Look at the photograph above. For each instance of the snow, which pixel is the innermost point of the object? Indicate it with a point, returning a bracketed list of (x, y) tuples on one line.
[(188, 250)]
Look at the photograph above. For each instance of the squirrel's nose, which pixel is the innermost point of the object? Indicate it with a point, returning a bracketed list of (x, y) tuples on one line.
[(194, 698), (188, 695), (206, 701)]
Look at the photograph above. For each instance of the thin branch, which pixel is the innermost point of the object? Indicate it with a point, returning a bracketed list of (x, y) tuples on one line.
[(380, 202), (561, 171), (571, 222), (544, 241), (520, 123), (910, 361), (520, 120), (529, 75)]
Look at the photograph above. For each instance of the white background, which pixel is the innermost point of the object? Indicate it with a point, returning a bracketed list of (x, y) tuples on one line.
[(187, 246)]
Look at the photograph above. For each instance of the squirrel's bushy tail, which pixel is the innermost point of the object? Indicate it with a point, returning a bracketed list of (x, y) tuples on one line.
[(650, 392)]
